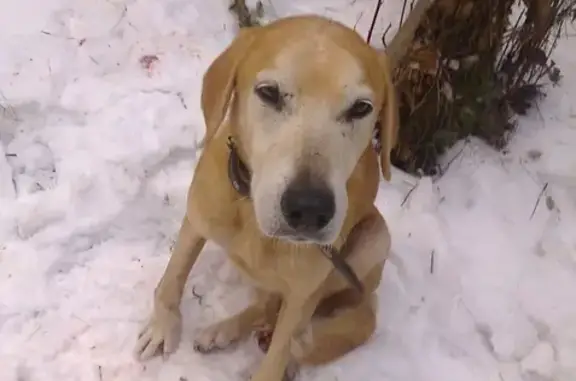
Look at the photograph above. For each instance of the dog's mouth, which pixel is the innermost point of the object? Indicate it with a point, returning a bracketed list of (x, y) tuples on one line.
[(294, 238), (302, 238)]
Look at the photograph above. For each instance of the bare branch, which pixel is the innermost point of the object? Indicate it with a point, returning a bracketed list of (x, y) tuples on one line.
[(374, 18), (398, 47)]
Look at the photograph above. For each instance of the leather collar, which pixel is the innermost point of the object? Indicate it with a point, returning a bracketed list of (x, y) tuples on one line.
[(238, 172)]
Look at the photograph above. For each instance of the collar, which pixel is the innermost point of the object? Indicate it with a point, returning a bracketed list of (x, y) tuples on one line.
[(238, 172), (239, 176)]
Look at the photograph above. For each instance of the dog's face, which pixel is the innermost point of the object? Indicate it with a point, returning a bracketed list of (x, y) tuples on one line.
[(306, 102), (307, 114)]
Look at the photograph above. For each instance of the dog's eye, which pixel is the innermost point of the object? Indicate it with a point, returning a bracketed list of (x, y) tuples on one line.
[(359, 110), (269, 94)]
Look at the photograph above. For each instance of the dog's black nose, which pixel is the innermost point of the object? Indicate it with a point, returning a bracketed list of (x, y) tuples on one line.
[(308, 207)]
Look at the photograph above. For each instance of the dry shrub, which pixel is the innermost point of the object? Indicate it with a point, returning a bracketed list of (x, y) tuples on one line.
[(470, 68)]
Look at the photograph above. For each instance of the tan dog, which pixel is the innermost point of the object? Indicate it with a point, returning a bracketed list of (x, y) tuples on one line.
[(300, 98)]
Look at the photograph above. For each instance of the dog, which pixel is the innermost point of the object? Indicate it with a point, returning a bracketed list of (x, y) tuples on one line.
[(288, 177)]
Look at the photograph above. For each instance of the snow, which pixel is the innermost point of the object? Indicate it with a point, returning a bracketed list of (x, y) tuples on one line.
[(97, 151)]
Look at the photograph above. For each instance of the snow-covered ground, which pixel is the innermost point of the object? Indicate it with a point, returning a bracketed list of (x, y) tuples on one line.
[(97, 148)]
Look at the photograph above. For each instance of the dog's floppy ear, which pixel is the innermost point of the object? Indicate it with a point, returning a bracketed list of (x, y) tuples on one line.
[(219, 81), (388, 119)]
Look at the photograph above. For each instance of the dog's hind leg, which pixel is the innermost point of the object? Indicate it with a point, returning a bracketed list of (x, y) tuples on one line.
[(327, 338)]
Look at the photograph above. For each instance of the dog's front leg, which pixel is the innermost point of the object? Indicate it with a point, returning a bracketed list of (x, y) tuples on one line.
[(162, 332), (294, 314)]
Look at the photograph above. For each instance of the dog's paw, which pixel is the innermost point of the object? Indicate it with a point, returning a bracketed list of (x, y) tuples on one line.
[(217, 337), (161, 335), (290, 374)]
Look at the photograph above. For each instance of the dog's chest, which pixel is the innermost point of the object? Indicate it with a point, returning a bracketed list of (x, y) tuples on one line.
[(277, 268)]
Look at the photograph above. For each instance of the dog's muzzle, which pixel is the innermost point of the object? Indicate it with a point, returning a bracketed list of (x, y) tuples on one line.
[(307, 206)]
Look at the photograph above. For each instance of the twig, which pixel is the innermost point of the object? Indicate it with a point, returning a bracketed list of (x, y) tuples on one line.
[(408, 194), (182, 101), (197, 296), (374, 18), (402, 13), (432, 262), (538, 199), (5, 109), (122, 16), (358, 20), (384, 35), (100, 372), (452, 160)]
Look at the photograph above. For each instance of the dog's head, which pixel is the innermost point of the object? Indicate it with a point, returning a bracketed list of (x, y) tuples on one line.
[(304, 94)]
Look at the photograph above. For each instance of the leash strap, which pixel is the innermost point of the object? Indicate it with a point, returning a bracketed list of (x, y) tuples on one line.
[(340, 264)]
